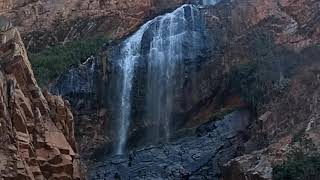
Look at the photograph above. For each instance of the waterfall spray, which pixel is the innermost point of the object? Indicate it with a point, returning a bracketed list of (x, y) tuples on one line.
[(129, 55), (171, 42)]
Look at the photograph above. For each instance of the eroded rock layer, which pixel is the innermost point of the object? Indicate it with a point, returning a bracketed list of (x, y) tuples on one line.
[(44, 23), (36, 129)]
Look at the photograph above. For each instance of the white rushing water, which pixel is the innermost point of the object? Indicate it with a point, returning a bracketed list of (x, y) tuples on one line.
[(169, 47), (129, 54), (210, 2), (170, 39)]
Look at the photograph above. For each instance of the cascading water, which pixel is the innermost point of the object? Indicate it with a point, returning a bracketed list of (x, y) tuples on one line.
[(163, 44), (129, 55), (210, 2), (173, 41)]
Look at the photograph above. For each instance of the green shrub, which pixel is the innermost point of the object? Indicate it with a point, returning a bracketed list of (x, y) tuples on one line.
[(52, 62), (300, 166)]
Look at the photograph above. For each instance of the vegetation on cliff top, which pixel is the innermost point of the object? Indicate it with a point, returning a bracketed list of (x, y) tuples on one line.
[(300, 166), (303, 160), (50, 63)]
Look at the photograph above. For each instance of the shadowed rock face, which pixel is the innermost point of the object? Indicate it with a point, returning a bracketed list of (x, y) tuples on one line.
[(5, 24), (36, 129), (293, 116), (78, 80), (197, 157)]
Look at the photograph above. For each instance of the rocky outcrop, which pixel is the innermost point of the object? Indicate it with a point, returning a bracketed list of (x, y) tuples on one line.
[(83, 86), (257, 165), (292, 27), (196, 157), (36, 129), (290, 123), (44, 23)]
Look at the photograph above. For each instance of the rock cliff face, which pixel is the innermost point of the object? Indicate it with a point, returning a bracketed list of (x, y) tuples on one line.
[(36, 129), (83, 86), (292, 27), (294, 23), (281, 122), (276, 41), (262, 54), (44, 23)]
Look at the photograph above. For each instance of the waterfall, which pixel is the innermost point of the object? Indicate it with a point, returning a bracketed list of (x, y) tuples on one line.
[(210, 2), (129, 55), (163, 44), (169, 47)]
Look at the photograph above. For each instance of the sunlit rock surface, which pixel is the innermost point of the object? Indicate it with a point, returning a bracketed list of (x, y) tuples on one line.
[(36, 129), (43, 23)]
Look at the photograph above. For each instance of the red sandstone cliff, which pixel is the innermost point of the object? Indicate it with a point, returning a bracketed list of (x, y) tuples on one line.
[(48, 22), (295, 26), (36, 129), (294, 22)]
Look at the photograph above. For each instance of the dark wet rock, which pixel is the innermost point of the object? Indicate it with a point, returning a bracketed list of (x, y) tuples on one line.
[(81, 86), (78, 80), (189, 158)]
